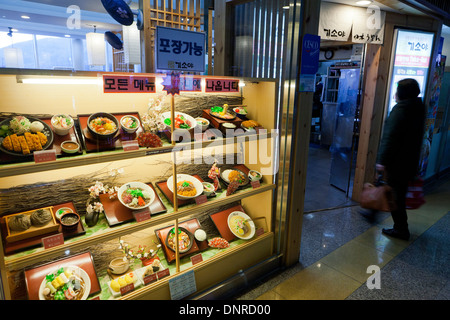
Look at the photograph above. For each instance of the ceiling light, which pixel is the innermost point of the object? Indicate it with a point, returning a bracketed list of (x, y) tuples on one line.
[(363, 2), (286, 7), (67, 35), (25, 17)]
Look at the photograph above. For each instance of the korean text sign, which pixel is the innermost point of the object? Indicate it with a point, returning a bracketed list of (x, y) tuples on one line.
[(131, 84), (180, 50)]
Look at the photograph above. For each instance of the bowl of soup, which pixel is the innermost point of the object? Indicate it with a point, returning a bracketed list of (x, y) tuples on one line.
[(102, 125), (70, 146), (69, 221), (130, 123), (62, 123)]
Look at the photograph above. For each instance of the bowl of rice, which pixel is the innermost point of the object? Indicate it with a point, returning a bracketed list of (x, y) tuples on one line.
[(188, 187)]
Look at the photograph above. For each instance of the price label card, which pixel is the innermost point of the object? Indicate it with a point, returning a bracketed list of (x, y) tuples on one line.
[(125, 289), (142, 215), (196, 259), (130, 145), (150, 278), (52, 241), (201, 199), (255, 184), (163, 273), (44, 156), (259, 232)]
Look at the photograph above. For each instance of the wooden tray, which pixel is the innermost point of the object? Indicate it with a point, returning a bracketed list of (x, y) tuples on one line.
[(116, 213), (35, 276), (56, 145), (191, 225), (220, 220), (162, 185), (218, 124), (91, 144), (32, 231), (36, 241)]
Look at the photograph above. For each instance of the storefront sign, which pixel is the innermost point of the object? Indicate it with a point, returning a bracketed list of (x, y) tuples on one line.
[(413, 50), (335, 21), (360, 25), (128, 84), (222, 85), (181, 50), (368, 25), (190, 83)]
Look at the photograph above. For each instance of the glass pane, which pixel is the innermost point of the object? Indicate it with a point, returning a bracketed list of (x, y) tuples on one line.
[(54, 52), (22, 56)]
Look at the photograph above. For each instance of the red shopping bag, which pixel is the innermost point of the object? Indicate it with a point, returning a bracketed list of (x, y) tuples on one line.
[(414, 196)]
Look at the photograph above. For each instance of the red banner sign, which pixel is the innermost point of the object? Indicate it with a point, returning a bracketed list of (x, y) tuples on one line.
[(128, 84), (222, 85)]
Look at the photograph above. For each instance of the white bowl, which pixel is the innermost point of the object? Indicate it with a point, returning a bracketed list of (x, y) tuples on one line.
[(80, 273), (203, 126), (166, 115), (70, 150), (181, 177), (118, 266), (58, 128), (254, 178), (140, 185), (250, 223), (206, 192), (130, 130)]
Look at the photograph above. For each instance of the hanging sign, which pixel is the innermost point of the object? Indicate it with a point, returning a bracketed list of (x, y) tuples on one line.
[(309, 62), (335, 21), (181, 50), (368, 25), (360, 25)]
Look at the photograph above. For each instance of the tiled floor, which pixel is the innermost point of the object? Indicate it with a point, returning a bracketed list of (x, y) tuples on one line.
[(339, 245)]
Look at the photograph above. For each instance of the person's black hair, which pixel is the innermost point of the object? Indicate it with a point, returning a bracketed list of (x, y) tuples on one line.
[(407, 89)]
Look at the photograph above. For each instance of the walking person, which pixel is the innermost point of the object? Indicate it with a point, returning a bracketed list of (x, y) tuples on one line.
[(399, 151)]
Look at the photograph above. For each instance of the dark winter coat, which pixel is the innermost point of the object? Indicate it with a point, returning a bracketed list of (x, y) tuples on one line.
[(402, 138)]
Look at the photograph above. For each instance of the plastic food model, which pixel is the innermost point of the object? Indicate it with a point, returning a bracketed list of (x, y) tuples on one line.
[(222, 112), (180, 122), (103, 125), (63, 285), (122, 281), (219, 243), (183, 240), (129, 122), (186, 189), (214, 174), (149, 140), (136, 197)]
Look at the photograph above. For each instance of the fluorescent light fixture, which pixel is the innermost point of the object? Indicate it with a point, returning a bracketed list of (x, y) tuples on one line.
[(95, 45), (59, 80), (25, 17), (286, 7), (363, 2), (67, 35)]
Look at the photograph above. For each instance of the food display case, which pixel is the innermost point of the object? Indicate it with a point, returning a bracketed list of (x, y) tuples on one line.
[(111, 225)]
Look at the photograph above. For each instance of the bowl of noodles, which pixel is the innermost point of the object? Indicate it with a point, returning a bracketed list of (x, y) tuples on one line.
[(65, 283), (102, 125), (241, 225), (188, 187)]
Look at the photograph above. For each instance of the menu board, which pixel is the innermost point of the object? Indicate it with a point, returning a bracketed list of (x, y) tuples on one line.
[(411, 58)]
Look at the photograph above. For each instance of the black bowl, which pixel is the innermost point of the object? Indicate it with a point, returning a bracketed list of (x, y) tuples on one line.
[(191, 240), (100, 136), (69, 221)]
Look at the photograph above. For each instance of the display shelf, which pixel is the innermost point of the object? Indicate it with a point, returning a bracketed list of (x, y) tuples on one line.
[(105, 233), (240, 255), (8, 170)]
